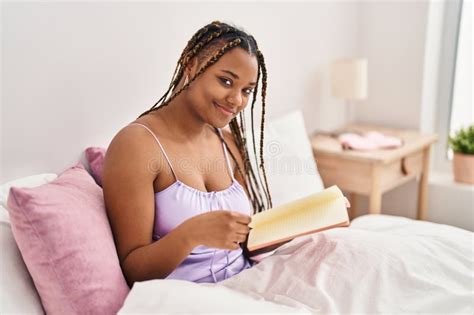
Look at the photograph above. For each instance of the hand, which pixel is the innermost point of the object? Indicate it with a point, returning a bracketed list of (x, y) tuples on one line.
[(348, 204), (219, 229)]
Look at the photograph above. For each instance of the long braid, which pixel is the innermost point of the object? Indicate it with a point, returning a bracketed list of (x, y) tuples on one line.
[(264, 94), (255, 195), (262, 68), (252, 122), (210, 38)]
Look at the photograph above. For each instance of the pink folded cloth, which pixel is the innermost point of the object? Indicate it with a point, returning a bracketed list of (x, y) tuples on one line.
[(371, 140)]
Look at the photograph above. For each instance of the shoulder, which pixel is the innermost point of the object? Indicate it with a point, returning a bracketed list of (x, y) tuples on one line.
[(131, 139), (133, 152)]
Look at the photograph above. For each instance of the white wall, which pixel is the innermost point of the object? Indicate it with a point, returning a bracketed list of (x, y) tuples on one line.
[(392, 37), (402, 40), (75, 73)]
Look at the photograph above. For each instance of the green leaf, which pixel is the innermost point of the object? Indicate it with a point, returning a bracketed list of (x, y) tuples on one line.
[(463, 140)]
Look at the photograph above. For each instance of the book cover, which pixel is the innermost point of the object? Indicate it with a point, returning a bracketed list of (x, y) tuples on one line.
[(311, 214)]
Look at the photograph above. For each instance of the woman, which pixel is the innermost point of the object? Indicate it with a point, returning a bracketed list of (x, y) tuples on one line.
[(179, 190)]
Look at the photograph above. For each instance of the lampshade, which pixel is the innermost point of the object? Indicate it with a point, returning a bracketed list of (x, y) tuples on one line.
[(349, 79)]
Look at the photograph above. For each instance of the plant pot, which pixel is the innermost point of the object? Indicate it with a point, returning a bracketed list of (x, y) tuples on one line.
[(463, 168)]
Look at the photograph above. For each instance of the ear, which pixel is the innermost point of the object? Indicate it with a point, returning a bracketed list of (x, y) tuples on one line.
[(191, 68)]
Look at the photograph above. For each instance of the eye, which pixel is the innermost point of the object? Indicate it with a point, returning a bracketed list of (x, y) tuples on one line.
[(249, 91), (224, 80)]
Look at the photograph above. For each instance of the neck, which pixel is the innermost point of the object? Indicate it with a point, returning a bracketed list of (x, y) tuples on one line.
[(182, 122)]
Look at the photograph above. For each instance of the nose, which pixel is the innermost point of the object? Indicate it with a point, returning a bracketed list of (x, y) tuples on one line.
[(234, 98)]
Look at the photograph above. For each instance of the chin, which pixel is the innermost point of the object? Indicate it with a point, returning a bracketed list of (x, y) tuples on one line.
[(217, 123)]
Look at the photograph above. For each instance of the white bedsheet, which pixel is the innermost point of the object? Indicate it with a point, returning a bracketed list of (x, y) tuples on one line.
[(380, 264)]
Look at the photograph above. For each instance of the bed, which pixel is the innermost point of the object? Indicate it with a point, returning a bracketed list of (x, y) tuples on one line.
[(379, 264)]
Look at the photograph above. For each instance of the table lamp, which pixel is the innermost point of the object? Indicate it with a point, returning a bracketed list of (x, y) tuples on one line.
[(349, 82)]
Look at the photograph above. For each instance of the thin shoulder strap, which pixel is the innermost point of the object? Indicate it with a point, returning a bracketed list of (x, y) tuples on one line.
[(161, 147), (225, 153)]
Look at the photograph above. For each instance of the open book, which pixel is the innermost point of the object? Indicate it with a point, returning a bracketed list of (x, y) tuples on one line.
[(317, 212)]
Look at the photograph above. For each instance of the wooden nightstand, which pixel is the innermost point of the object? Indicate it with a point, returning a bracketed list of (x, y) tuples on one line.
[(373, 173)]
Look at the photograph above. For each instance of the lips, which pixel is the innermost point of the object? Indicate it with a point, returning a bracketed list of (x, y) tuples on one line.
[(227, 109)]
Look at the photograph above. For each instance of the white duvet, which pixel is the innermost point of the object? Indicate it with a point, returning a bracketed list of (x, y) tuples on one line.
[(380, 264)]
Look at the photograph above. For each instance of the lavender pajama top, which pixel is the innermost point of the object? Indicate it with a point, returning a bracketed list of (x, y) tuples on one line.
[(179, 202)]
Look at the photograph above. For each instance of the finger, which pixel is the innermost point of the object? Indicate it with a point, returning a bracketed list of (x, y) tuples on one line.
[(234, 244), (242, 218), (241, 239), (243, 230)]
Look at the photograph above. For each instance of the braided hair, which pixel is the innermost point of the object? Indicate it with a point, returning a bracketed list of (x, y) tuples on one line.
[(209, 44)]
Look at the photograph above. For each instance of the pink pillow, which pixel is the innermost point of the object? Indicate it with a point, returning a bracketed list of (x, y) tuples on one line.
[(64, 236), (95, 157)]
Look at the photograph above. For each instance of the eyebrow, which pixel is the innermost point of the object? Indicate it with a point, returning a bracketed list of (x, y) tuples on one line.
[(236, 76)]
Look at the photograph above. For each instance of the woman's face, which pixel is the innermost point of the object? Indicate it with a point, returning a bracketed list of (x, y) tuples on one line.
[(224, 89)]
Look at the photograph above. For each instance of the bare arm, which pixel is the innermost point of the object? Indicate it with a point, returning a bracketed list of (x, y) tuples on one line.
[(157, 260), (129, 198)]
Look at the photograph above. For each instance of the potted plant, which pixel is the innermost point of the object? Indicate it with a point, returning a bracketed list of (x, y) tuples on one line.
[(462, 144)]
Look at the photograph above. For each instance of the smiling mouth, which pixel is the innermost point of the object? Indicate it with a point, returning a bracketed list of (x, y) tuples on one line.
[(223, 109)]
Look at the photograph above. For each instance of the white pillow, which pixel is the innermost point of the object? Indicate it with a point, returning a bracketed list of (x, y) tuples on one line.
[(18, 294), (289, 162), (29, 181)]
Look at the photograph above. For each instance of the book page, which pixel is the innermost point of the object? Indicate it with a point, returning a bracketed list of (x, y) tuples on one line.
[(312, 213), (279, 212)]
